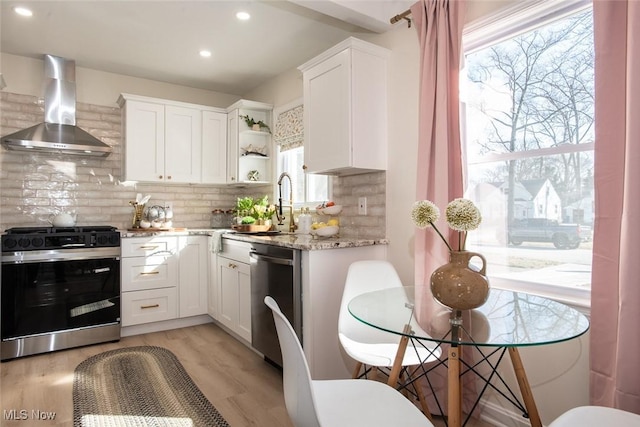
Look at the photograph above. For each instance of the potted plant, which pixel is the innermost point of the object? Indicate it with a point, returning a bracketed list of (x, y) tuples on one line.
[(255, 211), (255, 125)]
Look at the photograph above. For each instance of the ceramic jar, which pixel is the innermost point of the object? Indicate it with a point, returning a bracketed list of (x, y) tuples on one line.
[(459, 285)]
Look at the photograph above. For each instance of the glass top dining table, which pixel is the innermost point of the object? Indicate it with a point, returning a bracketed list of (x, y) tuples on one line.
[(507, 319), (505, 322)]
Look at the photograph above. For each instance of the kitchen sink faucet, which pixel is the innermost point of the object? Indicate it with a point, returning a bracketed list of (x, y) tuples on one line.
[(279, 215)]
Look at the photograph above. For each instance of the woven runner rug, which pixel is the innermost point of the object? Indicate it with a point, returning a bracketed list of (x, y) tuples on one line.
[(139, 386)]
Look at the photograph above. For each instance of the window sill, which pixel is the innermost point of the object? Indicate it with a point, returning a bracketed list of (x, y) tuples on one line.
[(580, 299)]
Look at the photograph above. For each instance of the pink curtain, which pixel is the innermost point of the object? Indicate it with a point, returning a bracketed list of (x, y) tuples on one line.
[(439, 24), (615, 288)]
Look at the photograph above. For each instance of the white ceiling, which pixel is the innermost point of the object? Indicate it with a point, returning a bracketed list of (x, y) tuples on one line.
[(160, 40)]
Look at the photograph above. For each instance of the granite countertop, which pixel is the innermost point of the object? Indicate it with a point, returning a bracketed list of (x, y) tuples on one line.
[(303, 242)]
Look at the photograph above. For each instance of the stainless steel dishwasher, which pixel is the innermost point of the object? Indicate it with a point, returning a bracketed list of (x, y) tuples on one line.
[(275, 271)]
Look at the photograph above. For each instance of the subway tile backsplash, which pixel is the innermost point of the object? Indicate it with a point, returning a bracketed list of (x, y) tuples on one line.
[(35, 186)]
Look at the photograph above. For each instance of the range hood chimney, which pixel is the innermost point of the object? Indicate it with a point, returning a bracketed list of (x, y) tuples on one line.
[(59, 133)]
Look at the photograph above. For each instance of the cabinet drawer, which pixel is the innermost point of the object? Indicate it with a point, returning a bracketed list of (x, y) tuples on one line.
[(149, 306), (238, 251), (150, 272), (145, 246)]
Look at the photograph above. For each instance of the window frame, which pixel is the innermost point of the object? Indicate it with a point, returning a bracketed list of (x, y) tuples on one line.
[(501, 25), (297, 203)]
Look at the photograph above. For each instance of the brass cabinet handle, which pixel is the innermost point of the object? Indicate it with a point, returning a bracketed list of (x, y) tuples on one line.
[(169, 177), (304, 167), (149, 306), (149, 247), (231, 265), (149, 273), (160, 177)]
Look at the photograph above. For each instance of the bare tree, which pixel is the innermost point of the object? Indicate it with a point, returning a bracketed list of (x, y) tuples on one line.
[(542, 87)]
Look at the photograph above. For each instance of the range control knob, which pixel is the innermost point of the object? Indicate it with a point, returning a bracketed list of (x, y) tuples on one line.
[(9, 243), (24, 242)]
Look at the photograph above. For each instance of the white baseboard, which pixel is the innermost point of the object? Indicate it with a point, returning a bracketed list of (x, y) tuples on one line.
[(165, 325)]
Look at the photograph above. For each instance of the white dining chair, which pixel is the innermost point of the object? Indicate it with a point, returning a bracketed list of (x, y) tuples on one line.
[(336, 403), (368, 346), (596, 416)]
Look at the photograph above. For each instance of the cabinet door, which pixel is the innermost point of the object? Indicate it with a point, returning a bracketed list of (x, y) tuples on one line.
[(235, 301), (144, 141), (214, 147), (192, 267), (327, 101), (183, 144)]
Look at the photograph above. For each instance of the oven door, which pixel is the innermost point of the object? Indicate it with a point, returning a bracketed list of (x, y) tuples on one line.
[(43, 294)]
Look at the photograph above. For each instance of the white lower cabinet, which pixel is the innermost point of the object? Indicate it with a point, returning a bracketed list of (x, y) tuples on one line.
[(163, 278), (234, 288), (192, 268)]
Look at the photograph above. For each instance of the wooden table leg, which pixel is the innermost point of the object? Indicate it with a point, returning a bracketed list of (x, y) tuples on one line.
[(525, 388), (454, 390), (397, 363)]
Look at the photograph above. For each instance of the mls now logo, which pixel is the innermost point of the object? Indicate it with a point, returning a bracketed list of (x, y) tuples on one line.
[(23, 414)]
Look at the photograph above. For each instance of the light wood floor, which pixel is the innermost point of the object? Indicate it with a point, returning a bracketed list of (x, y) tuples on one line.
[(246, 390)]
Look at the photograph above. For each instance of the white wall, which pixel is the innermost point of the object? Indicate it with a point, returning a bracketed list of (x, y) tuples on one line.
[(25, 76)]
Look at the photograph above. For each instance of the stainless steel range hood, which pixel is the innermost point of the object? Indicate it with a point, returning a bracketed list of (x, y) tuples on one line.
[(59, 133)]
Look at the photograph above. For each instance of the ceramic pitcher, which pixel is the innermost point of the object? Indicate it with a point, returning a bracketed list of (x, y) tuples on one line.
[(459, 285)]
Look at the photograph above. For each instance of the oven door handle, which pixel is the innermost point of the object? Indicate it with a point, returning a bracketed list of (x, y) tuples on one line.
[(270, 259), (60, 255)]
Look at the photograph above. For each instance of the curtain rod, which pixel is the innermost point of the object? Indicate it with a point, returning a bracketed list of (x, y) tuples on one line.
[(404, 15)]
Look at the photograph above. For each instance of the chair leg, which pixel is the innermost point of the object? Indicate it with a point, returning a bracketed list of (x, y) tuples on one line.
[(423, 401), (402, 381), (356, 371)]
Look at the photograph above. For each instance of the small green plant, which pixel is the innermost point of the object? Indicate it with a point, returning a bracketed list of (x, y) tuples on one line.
[(250, 121), (255, 208)]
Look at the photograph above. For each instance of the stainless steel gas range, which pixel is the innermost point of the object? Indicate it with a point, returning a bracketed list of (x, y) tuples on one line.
[(60, 288)]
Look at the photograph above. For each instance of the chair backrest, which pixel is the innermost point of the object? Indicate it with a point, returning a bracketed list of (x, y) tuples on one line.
[(366, 276), (298, 393)]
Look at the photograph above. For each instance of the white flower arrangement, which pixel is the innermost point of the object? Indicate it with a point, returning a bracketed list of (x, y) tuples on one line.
[(461, 214)]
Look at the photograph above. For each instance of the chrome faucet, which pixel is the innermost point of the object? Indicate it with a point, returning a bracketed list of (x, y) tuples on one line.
[(279, 215)]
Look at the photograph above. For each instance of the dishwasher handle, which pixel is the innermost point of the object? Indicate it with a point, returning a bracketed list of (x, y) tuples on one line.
[(271, 259)]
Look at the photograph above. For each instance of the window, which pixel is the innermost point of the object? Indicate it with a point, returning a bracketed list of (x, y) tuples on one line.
[(527, 98), (308, 189)]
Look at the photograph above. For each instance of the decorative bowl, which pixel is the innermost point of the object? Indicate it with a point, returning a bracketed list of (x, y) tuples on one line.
[(327, 231), (330, 210)]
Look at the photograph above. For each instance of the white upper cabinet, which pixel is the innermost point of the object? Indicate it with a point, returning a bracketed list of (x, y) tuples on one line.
[(143, 139), (183, 144), (249, 155), (214, 147), (345, 109), (172, 142)]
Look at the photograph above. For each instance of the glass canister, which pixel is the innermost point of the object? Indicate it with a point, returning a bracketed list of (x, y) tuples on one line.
[(219, 219)]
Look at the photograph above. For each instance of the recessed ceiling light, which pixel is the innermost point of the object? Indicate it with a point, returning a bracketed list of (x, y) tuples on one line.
[(243, 16), (23, 11), (205, 53)]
